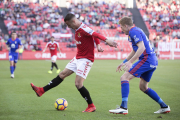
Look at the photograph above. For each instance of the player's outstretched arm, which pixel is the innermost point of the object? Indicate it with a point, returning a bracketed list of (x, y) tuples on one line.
[(8, 48), (137, 54), (139, 51), (111, 43), (44, 49), (99, 48)]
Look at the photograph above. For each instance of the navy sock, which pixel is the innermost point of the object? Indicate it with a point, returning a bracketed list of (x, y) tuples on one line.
[(124, 93), (155, 97), (12, 69)]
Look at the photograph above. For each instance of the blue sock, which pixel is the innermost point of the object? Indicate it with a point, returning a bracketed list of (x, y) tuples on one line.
[(124, 93), (155, 97), (12, 69)]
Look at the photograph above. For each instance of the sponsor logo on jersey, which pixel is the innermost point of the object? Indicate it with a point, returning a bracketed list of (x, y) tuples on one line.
[(12, 45), (153, 66), (84, 26), (79, 35), (135, 38), (78, 42), (129, 38)]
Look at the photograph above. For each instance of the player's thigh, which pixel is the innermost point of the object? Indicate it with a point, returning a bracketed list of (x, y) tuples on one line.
[(11, 59), (72, 65), (83, 67), (54, 58), (148, 74), (16, 58), (126, 76), (66, 72), (79, 81), (140, 67)]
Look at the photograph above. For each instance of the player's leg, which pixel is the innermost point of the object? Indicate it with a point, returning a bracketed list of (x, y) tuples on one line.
[(11, 60), (83, 68), (84, 93), (70, 68), (12, 68), (143, 85), (53, 83), (15, 61), (54, 62), (125, 78)]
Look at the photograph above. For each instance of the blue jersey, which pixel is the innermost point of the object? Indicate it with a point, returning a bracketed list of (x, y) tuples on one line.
[(13, 44), (136, 35)]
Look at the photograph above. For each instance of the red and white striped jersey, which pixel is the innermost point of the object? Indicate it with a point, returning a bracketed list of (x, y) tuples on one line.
[(52, 47)]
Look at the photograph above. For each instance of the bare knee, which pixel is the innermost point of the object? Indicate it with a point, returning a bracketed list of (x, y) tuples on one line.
[(143, 87), (78, 85), (62, 75)]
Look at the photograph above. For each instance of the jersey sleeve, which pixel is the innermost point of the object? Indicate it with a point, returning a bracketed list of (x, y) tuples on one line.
[(7, 43), (57, 44), (136, 36), (90, 32), (19, 42), (47, 45), (96, 40)]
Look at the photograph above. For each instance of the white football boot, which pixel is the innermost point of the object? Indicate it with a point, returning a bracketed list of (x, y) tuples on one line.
[(119, 110), (163, 110), (12, 75)]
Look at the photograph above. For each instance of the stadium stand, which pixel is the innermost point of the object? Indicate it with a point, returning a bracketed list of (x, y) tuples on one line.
[(35, 23), (162, 19)]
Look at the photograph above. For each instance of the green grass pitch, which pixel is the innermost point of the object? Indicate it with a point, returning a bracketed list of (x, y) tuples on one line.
[(19, 102)]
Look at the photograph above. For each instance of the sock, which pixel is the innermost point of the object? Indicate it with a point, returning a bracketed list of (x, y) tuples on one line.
[(85, 94), (124, 93), (56, 65), (53, 83), (12, 69), (52, 65), (155, 97)]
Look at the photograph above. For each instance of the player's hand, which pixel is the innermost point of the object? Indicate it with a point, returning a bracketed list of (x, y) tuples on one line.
[(119, 68), (99, 48), (111, 43), (59, 53), (43, 51), (17, 50), (8, 48), (127, 66)]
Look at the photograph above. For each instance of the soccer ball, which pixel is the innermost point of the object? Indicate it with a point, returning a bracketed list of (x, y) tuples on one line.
[(61, 104)]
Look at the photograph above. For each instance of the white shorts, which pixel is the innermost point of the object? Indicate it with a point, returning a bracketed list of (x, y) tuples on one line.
[(80, 66), (53, 58)]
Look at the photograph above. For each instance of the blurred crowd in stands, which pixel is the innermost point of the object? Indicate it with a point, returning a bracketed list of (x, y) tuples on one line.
[(162, 18), (104, 15), (33, 22)]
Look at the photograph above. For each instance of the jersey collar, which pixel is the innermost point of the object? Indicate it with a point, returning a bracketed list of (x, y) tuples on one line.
[(132, 28), (79, 26)]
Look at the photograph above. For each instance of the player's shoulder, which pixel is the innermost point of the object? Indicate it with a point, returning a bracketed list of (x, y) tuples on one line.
[(85, 28), (135, 31)]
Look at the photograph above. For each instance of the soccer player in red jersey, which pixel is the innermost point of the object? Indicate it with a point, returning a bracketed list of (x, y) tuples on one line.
[(53, 46), (82, 63)]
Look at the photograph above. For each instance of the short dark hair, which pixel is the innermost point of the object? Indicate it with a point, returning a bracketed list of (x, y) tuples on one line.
[(68, 17), (13, 32), (52, 36)]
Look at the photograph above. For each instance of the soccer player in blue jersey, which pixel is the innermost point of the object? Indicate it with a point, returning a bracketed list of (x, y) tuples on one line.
[(142, 69), (13, 46)]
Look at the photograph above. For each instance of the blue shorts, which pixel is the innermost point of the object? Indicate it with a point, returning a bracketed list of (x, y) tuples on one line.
[(144, 68), (13, 57)]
